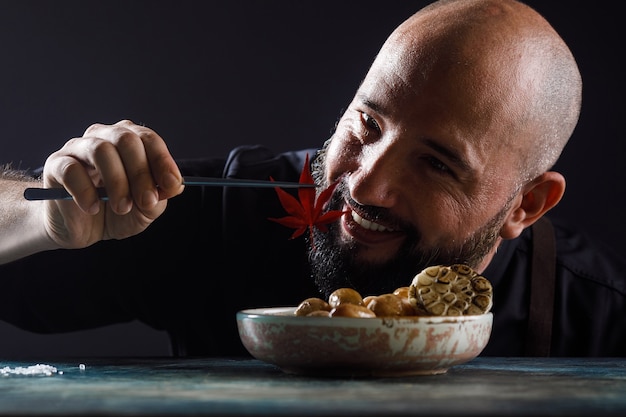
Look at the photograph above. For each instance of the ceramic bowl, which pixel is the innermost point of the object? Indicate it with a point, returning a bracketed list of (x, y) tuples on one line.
[(362, 346)]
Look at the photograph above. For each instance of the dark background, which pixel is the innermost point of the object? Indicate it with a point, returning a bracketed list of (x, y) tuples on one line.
[(209, 75)]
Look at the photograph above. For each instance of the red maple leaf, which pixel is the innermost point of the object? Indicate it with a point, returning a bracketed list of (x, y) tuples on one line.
[(307, 213)]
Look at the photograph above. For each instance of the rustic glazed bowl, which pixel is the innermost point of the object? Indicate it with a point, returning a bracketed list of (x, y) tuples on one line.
[(362, 346)]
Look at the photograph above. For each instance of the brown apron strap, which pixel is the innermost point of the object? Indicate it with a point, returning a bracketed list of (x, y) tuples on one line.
[(539, 334)]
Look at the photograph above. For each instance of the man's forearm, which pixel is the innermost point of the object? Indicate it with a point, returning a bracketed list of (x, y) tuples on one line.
[(22, 230)]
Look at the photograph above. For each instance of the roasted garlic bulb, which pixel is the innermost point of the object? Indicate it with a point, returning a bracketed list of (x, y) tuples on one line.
[(451, 291)]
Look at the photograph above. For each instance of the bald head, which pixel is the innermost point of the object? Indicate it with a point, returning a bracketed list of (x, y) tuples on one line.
[(466, 102), (514, 74)]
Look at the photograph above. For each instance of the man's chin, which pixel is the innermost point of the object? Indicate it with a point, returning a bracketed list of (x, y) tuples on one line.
[(374, 259), (340, 266), (369, 278)]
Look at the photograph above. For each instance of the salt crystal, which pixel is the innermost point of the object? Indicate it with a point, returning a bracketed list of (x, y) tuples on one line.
[(39, 369)]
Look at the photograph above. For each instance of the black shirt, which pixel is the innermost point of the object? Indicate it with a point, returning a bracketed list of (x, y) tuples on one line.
[(214, 252)]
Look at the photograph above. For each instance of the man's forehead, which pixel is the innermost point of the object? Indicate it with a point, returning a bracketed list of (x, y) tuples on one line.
[(460, 97)]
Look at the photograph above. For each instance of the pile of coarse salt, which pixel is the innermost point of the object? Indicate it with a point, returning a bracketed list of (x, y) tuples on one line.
[(34, 370)]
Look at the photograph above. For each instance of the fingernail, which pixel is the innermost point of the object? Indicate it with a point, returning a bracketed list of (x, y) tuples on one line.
[(149, 199), (124, 206), (171, 181)]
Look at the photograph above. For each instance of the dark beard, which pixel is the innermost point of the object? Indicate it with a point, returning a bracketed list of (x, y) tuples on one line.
[(334, 264)]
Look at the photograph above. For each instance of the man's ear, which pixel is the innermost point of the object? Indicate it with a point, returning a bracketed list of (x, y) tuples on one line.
[(538, 196)]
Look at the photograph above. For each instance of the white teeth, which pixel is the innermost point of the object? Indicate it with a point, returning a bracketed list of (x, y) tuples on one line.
[(367, 224)]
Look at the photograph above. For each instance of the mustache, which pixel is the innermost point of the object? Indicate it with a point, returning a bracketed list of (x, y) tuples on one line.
[(376, 214)]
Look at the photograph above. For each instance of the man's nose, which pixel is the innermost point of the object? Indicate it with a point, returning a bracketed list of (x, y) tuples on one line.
[(379, 177)]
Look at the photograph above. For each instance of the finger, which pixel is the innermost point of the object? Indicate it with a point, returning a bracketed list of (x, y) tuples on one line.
[(162, 165), (70, 173), (134, 169), (102, 162), (130, 181), (106, 166), (162, 168)]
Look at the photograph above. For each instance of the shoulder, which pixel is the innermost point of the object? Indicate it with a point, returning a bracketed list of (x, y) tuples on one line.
[(585, 267), (255, 161), (589, 301), (580, 255), (249, 161)]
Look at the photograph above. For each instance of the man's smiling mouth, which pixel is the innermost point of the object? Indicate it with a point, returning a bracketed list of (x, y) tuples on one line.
[(368, 224)]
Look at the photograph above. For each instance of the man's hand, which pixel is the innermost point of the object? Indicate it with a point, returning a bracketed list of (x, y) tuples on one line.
[(135, 167)]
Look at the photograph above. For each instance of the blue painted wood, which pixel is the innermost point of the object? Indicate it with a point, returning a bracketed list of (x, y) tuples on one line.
[(232, 387)]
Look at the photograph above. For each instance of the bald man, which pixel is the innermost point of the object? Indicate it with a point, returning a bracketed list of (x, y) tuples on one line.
[(444, 156)]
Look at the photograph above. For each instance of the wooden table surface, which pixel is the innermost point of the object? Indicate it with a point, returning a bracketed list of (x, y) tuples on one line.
[(241, 386)]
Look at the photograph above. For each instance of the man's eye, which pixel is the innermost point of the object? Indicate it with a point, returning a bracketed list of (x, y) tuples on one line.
[(438, 165), (370, 122)]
